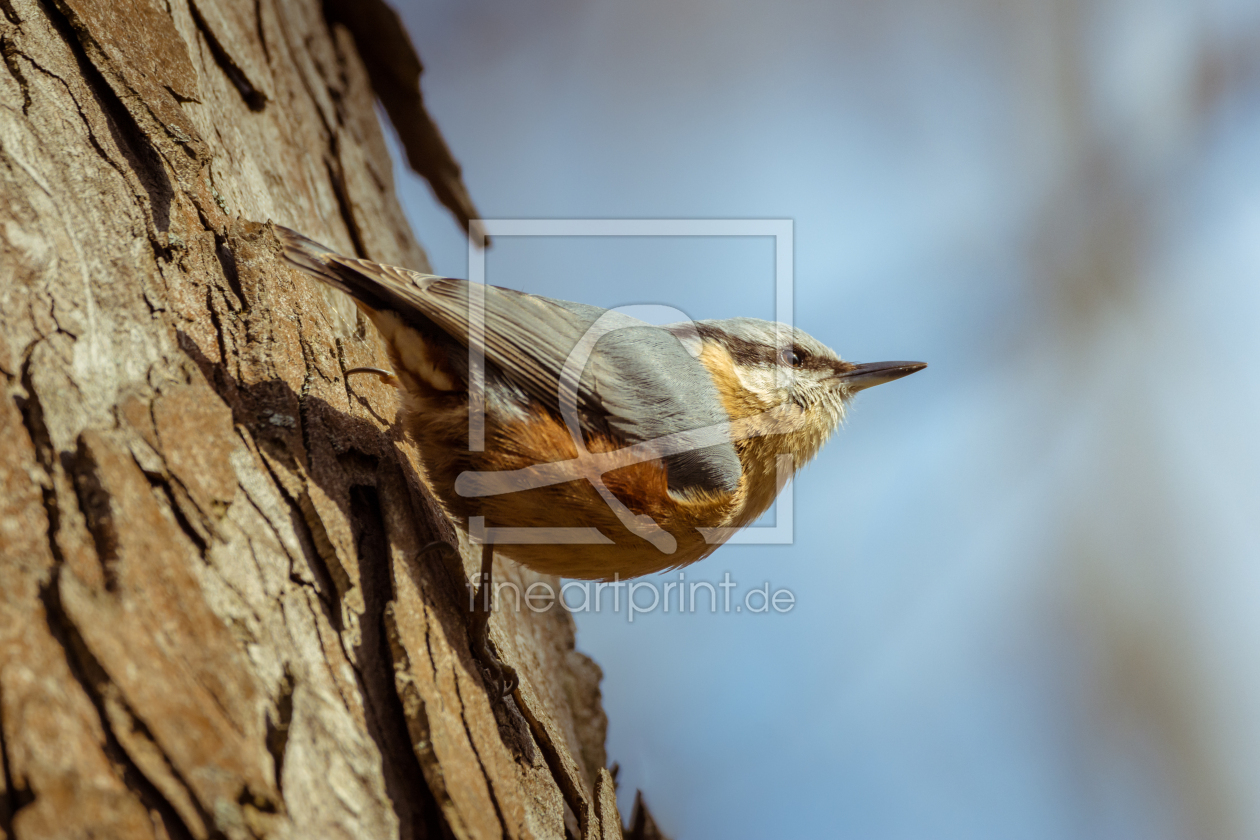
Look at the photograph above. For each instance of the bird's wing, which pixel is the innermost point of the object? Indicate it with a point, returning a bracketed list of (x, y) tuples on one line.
[(638, 382)]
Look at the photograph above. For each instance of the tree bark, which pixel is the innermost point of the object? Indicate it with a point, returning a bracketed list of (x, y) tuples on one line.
[(216, 617)]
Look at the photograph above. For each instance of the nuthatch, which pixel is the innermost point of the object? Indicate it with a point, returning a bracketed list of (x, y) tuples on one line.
[(594, 445)]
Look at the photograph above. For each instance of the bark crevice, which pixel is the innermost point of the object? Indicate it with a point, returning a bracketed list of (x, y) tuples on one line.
[(146, 174), (404, 779), (254, 98), (92, 679), (11, 55), (13, 798), (337, 179), (574, 797), (278, 726)]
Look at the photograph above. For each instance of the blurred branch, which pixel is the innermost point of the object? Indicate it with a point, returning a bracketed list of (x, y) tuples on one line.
[(395, 69)]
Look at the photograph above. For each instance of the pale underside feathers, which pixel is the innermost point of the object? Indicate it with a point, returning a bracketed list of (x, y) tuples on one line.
[(639, 383)]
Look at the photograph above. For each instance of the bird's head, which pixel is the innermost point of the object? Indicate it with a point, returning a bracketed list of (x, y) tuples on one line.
[(760, 367)]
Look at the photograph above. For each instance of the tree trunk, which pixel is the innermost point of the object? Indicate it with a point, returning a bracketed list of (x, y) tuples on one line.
[(216, 617)]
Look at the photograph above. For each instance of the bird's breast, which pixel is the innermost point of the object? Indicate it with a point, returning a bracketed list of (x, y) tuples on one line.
[(531, 475)]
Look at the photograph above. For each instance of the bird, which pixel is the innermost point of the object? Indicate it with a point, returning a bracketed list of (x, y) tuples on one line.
[(603, 446)]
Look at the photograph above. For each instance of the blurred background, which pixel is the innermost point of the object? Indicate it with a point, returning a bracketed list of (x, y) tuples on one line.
[(1028, 578)]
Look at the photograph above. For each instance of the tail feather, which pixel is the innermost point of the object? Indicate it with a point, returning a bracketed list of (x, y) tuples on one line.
[(374, 287), (307, 255)]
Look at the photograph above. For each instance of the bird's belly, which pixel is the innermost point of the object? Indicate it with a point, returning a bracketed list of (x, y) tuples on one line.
[(537, 520)]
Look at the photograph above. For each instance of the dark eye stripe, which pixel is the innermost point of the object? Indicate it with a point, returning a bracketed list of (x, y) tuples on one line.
[(744, 352), (751, 353), (808, 361)]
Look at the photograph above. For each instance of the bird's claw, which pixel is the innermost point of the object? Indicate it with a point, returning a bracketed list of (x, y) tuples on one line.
[(499, 676)]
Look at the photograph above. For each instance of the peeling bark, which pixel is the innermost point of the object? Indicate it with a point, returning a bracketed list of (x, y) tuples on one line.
[(217, 616)]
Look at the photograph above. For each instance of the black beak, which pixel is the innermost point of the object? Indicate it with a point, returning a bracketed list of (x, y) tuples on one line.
[(877, 373)]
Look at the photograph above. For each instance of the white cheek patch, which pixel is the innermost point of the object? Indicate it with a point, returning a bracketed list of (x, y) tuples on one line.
[(413, 351), (775, 384), (764, 382), (817, 378)]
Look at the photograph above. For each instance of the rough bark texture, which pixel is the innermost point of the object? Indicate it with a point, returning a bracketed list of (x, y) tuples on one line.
[(216, 617)]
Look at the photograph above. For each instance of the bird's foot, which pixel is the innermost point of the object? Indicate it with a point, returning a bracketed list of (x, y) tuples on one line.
[(386, 376), (440, 547), (500, 677)]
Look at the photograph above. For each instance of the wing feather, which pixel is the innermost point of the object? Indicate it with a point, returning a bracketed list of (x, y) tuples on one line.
[(639, 382)]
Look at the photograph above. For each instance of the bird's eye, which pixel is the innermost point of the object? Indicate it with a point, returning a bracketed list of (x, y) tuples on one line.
[(790, 358)]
